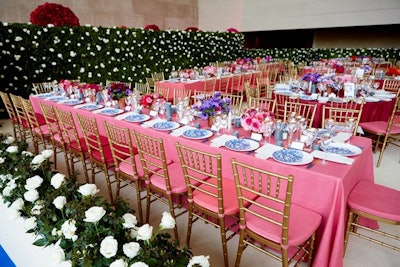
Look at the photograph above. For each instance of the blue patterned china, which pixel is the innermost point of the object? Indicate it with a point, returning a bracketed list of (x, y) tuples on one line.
[(166, 125), (292, 157), (241, 144), (137, 117), (56, 98), (197, 134), (89, 106), (109, 111), (71, 102), (321, 132), (342, 149), (44, 95)]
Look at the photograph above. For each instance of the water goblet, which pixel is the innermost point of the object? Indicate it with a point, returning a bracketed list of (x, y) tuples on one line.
[(217, 124), (325, 141), (322, 88), (292, 127), (269, 128), (350, 124), (329, 125)]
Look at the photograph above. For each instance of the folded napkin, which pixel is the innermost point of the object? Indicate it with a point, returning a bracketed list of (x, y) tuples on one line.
[(341, 137), (181, 130), (332, 157), (266, 151), (221, 140), (149, 124)]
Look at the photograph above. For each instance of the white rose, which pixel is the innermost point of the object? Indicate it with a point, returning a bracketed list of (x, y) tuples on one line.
[(65, 264), (48, 153), (68, 229), (203, 261), (38, 159), (57, 180), (94, 214), (13, 214), (33, 182), (27, 153), (119, 263), (7, 191), (12, 149), (167, 221), (37, 209), (59, 202), (18, 204), (144, 232), (57, 256), (9, 140), (139, 264), (2, 160), (133, 233), (31, 195), (88, 189), (130, 220), (109, 247), (131, 249), (30, 223)]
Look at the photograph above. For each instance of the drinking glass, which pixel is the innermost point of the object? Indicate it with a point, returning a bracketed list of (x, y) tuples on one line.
[(269, 128), (322, 88), (325, 141), (217, 124), (292, 127), (329, 124), (350, 124)]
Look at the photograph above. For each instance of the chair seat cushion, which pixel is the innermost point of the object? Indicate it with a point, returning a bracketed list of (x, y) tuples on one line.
[(379, 127), (108, 157), (74, 145), (230, 200), (375, 199), (126, 167), (302, 223), (177, 180)]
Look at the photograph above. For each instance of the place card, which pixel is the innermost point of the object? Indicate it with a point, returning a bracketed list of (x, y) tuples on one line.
[(349, 89), (153, 113), (297, 145), (256, 136)]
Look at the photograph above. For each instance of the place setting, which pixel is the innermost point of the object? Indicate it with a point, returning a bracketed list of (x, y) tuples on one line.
[(133, 117), (109, 111)]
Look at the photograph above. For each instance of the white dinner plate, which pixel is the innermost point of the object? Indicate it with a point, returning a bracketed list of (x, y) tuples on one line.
[(292, 157), (89, 106), (342, 149), (166, 125), (242, 145), (197, 134), (71, 102), (56, 98), (135, 117), (109, 111), (44, 95), (383, 94), (371, 99)]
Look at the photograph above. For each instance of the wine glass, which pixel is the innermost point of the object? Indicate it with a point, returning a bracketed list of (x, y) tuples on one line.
[(292, 127), (325, 141), (322, 88), (217, 124), (350, 124), (269, 128), (329, 124)]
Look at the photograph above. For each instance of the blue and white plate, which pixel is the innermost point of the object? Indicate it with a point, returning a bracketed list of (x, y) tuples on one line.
[(342, 149), (70, 102), (242, 145), (321, 132), (44, 95), (137, 117), (292, 157), (89, 106), (166, 125), (197, 134), (109, 111), (57, 98)]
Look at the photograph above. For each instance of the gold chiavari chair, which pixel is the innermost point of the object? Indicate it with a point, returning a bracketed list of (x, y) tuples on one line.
[(236, 101), (211, 197), (269, 219), (78, 151), (304, 110), (164, 178), (12, 114), (200, 94), (234, 84), (142, 88), (164, 91), (209, 85), (181, 94), (280, 104), (262, 103), (126, 159), (223, 84), (44, 87), (23, 120), (264, 86), (60, 145), (391, 85), (158, 76), (150, 84), (100, 155), (252, 91)]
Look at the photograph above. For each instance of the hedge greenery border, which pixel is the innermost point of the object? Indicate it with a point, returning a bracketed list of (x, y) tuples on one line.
[(31, 53)]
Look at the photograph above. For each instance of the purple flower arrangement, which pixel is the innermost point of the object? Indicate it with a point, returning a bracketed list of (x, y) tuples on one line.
[(212, 106)]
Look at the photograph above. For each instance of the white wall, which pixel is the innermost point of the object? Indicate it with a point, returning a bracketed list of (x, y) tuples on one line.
[(264, 15)]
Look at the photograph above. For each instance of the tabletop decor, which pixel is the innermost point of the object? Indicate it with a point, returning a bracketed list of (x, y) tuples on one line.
[(55, 14), (148, 100), (210, 107), (252, 119), (82, 228), (209, 71), (392, 71), (118, 90)]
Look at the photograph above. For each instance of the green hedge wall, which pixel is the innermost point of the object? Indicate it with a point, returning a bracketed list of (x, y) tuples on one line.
[(30, 53)]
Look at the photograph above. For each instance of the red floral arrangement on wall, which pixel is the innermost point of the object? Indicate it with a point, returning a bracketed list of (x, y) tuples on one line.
[(192, 29), (232, 30), (153, 27), (56, 14)]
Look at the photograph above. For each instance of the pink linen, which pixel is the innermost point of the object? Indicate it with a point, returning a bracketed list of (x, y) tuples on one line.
[(322, 188)]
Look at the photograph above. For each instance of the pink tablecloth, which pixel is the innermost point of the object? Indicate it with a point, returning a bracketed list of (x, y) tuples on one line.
[(322, 188)]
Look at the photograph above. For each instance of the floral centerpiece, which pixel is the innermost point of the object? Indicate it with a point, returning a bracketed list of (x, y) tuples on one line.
[(232, 30), (153, 27), (212, 106), (392, 71), (312, 77), (118, 90), (149, 100), (209, 71), (252, 119), (55, 14), (81, 228)]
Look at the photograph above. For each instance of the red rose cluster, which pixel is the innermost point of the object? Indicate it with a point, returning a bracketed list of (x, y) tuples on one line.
[(153, 27), (192, 29), (56, 14)]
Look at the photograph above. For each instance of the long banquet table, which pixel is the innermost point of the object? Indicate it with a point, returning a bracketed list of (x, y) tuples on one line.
[(322, 188)]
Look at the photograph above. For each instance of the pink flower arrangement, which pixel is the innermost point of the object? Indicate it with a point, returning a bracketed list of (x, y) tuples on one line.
[(153, 27), (209, 71), (148, 99), (56, 14), (252, 119)]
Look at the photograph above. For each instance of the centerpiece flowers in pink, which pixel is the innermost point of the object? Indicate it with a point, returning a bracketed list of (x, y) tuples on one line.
[(149, 99), (252, 119)]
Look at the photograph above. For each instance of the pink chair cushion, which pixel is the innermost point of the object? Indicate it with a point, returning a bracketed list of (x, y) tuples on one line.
[(74, 145), (379, 127), (231, 203), (177, 180), (302, 223), (127, 167), (108, 157), (43, 130), (375, 199)]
